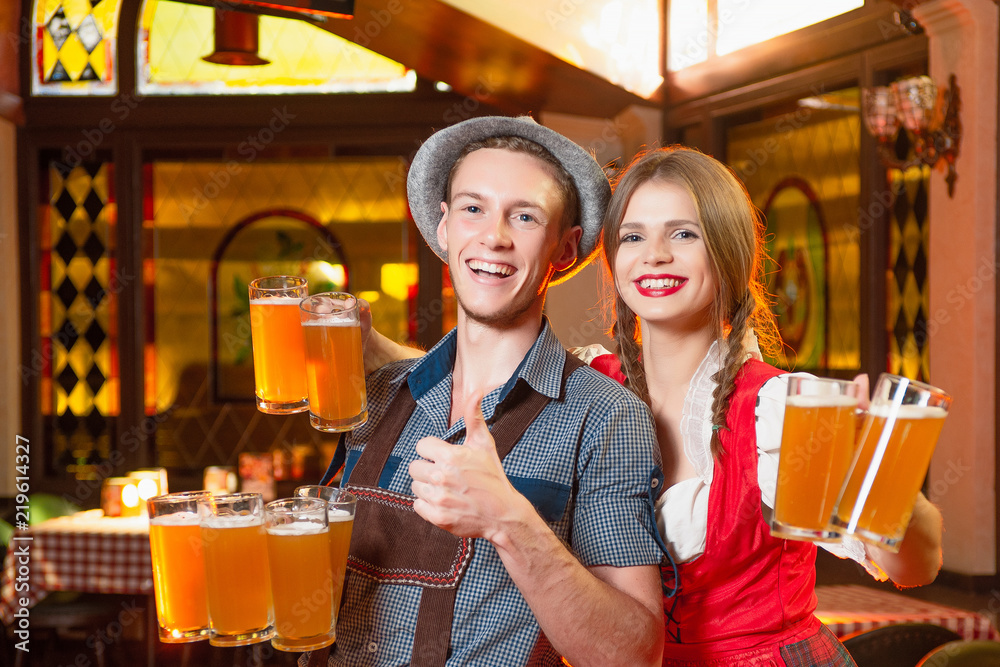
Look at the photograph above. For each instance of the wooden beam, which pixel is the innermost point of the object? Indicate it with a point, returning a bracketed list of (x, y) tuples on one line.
[(479, 60)]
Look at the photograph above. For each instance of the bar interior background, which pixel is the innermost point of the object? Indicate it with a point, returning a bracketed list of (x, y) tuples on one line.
[(141, 187)]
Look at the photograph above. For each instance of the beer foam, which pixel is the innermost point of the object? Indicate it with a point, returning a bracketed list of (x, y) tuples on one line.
[(908, 411), (231, 521), (276, 301), (297, 528), (336, 515), (828, 400), (176, 519), (332, 322)]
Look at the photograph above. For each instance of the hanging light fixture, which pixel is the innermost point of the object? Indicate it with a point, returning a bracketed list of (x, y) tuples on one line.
[(236, 39), (928, 113)]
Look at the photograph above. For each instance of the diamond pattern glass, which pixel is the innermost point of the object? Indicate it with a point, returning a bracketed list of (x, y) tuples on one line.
[(79, 334), (908, 292), (174, 37), (801, 169), (74, 42)]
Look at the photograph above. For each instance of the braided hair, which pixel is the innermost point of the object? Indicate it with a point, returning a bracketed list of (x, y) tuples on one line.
[(733, 232)]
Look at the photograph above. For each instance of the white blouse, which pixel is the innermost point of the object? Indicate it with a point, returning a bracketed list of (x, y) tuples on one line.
[(682, 509)]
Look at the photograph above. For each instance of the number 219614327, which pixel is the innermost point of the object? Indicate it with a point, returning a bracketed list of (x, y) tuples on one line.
[(21, 483)]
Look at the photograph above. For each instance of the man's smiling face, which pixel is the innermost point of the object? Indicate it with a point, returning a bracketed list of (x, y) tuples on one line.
[(504, 235)]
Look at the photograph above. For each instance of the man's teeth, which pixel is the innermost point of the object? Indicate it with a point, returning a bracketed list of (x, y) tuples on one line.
[(659, 283), (501, 269)]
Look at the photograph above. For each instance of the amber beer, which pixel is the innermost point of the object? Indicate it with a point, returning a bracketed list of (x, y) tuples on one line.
[(278, 344), (236, 569), (341, 527), (817, 445), (896, 444), (178, 567), (341, 506), (299, 557), (334, 363)]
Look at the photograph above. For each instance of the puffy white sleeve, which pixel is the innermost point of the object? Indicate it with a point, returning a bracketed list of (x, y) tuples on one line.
[(770, 415), (588, 353)]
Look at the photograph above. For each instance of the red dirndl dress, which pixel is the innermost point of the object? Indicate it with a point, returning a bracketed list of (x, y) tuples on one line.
[(749, 599)]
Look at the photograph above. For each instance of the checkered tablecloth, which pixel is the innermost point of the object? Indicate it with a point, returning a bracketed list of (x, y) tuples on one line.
[(848, 609), (85, 552)]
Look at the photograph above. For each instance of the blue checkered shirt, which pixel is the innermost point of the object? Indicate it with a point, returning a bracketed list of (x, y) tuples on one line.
[(610, 513)]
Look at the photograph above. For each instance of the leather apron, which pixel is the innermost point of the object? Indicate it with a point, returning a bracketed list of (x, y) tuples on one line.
[(396, 546)]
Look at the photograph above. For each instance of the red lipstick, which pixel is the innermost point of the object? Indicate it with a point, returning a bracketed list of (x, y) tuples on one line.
[(658, 291)]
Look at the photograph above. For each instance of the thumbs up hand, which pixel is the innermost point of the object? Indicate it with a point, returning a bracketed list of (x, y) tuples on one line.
[(463, 488)]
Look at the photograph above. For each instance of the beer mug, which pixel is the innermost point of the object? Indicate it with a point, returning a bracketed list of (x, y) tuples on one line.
[(817, 445), (299, 557), (236, 571), (178, 567), (279, 361), (894, 452), (340, 510), (335, 371)]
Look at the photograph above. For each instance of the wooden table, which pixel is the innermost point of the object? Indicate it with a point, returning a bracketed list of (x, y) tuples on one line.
[(85, 552)]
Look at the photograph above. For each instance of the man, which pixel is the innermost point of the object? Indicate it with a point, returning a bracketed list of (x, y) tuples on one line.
[(469, 550)]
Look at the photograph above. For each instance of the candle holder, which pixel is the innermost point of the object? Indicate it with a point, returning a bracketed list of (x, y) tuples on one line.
[(930, 114)]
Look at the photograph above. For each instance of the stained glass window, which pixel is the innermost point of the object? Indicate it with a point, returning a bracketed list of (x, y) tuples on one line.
[(213, 226), (78, 306), (73, 42), (801, 169), (174, 37), (908, 287)]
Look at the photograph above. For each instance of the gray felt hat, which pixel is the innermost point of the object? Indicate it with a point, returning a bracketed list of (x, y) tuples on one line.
[(428, 177)]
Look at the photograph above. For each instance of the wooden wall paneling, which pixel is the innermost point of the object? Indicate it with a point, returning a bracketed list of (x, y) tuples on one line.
[(135, 439), (31, 354)]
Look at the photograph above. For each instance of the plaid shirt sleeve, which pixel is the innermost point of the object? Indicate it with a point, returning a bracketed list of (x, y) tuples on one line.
[(618, 472)]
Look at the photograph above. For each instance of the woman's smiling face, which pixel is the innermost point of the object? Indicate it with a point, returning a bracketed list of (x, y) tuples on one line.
[(662, 267)]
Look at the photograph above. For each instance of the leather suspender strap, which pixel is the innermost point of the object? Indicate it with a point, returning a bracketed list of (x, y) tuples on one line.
[(432, 635), (380, 446), (431, 638), (505, 432)]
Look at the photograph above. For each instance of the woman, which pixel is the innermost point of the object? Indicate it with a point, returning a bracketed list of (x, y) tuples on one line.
[(683, 243)]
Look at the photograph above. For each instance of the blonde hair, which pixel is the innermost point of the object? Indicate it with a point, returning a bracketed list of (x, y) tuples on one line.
[(733, 231)]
